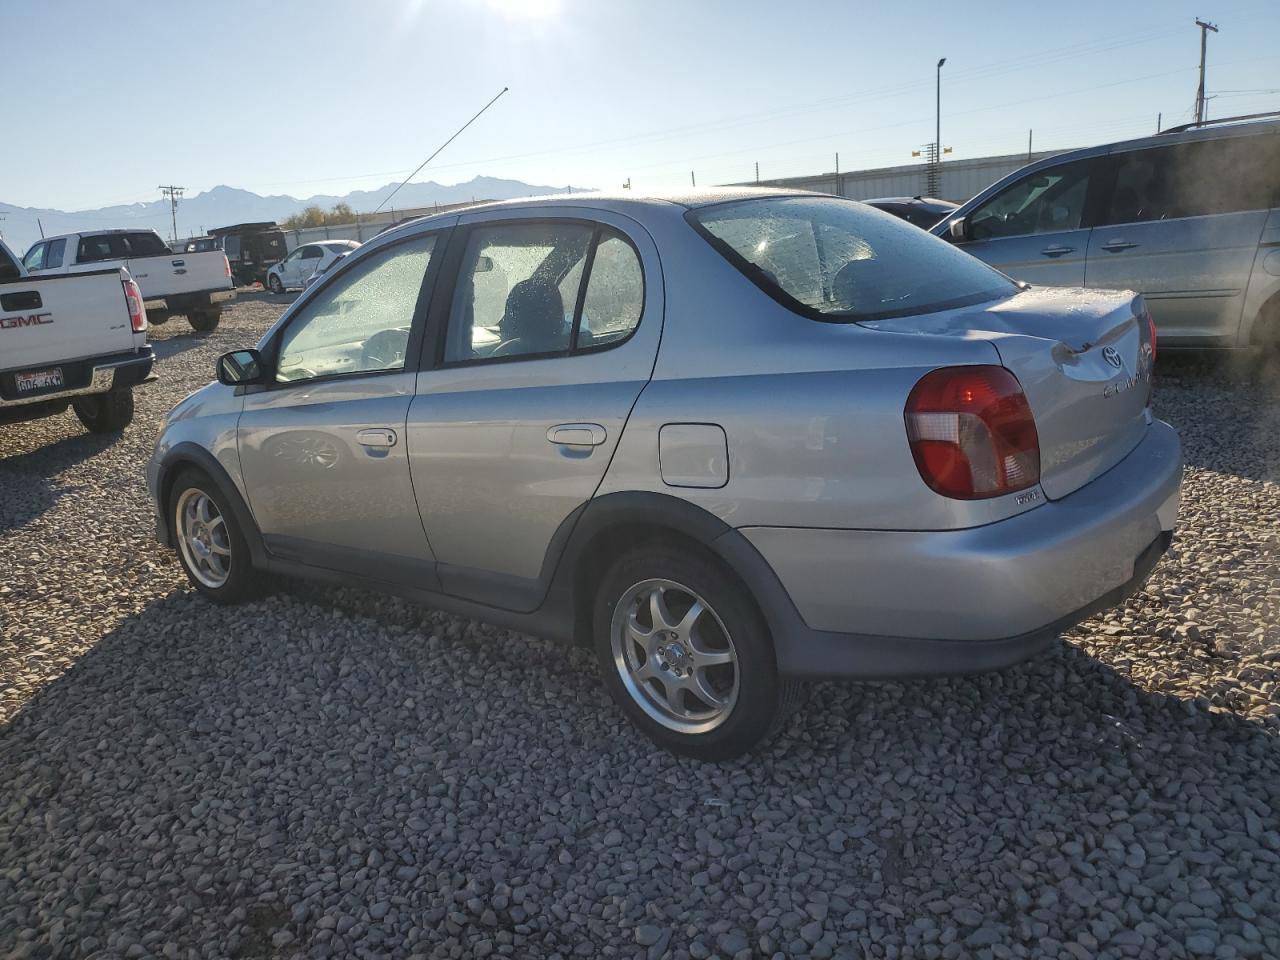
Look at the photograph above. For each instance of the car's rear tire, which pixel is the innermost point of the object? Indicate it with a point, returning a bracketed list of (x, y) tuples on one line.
[(700, 683), (210, 545), (274, 284), (108, 412), (204, 320)]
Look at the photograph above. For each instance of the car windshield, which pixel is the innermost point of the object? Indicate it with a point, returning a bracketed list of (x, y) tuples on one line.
[(836, 260)]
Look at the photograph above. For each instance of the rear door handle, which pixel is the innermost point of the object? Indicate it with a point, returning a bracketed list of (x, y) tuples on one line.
[(377, 437), (1057, 251), (1115, 246), (577, 434)]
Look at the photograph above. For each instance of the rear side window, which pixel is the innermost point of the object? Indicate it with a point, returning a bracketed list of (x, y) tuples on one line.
[(843, 261), (53, 255), (1194, 180), (543, 289), (1048, 201)]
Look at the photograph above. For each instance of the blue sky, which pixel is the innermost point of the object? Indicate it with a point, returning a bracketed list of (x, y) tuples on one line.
[(325, 97)]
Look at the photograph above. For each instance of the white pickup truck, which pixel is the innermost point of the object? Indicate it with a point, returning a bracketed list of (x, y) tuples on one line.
[(194, 284), (76, 340)]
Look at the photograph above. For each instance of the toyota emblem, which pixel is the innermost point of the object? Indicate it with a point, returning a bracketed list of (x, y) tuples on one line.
[(1112, 356)]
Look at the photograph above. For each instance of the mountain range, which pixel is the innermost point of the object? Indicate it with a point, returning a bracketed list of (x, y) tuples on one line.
[(21, 226)]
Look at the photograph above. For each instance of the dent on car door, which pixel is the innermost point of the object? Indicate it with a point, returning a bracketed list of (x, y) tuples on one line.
[(1180, 224), (549, 335), (322, 448), (1037, 229)]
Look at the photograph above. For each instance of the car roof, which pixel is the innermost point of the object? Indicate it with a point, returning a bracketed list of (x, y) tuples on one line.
[(622, 201)]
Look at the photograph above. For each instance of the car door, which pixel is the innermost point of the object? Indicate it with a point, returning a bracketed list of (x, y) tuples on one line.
[(547, 337), (1036, 229), (1180, 224), (322, 447), (289, 268)]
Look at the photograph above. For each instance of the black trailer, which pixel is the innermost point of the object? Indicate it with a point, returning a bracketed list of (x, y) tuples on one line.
[(251, 249)]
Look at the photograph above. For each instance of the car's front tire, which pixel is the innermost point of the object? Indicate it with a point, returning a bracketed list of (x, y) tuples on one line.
[(108, 412), (210, 544), (686, 654)]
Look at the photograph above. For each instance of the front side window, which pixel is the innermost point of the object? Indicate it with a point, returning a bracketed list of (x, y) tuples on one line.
[(1046, 202), (34, 260), (360, 323), (838, 260)]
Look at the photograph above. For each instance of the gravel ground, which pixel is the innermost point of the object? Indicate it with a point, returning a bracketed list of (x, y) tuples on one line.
[(330, 773)]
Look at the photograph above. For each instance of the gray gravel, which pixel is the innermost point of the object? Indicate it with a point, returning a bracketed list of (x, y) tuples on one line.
[(331, 773)]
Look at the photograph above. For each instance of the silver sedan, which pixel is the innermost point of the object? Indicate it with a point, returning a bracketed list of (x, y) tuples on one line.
[(730, 440)]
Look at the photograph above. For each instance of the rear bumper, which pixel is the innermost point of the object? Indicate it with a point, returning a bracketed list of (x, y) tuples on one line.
[(86, 376), (181, 301), (920, 603)]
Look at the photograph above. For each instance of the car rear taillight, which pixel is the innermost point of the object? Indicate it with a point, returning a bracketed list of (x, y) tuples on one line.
[(226, 265), (137, 314), (972, 433)]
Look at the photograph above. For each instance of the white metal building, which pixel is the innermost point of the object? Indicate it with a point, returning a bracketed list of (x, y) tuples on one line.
[(959, 179)]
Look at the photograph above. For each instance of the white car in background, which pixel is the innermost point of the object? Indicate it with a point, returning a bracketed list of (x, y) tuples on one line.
[(308, 260)]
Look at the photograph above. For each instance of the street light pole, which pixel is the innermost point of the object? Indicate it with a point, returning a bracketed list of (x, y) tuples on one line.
[(937, 134)]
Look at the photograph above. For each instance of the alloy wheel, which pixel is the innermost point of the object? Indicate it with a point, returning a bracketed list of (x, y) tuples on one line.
[(675, 656), (203, 538)]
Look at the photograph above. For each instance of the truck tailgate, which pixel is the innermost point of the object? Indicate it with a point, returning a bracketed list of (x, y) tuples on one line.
[(179, 273), (48, 319)]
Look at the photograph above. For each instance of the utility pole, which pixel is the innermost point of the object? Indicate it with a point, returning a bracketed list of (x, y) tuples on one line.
[(692, 179), (757, 171), (1159, 120), (839, 192), (1205, 27), (174, 194), (1029, 133)]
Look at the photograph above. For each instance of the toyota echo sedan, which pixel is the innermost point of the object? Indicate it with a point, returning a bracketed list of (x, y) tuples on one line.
[(730, 440)]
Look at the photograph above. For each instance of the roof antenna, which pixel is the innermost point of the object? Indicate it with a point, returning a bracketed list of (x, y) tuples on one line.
[(438, 149)]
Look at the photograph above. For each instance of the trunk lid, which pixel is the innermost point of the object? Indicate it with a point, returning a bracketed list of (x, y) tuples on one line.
[(1084, 361)]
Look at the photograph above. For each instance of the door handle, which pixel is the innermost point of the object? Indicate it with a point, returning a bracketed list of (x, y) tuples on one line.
[(1115, 246), (577, 434), (377, 437), (1057, 251)]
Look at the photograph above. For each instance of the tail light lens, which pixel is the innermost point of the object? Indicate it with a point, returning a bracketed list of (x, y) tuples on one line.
[(972, 433), (133, 297), (226, 265)]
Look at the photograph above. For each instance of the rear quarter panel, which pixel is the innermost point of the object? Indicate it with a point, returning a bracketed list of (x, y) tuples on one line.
[(812, 411)]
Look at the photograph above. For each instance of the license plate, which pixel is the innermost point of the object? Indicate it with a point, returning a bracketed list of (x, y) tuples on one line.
[(38, 380)]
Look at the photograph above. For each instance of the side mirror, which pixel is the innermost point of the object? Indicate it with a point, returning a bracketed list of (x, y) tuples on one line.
[(240, 368), (958, 230)]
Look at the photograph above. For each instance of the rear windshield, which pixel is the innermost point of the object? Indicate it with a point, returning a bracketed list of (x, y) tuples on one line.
[(837, 260)]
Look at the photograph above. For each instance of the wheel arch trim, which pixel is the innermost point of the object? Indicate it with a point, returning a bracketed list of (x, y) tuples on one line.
[(188, 454)]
